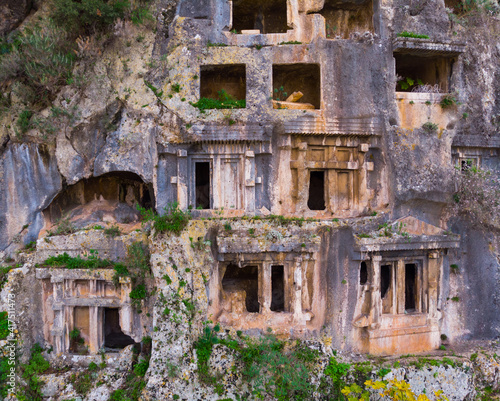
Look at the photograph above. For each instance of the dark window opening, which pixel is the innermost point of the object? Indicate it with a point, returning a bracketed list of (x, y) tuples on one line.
[(422, 74), (345, 17), (202, 183), (290, 78), (316, 190), (410, 287), (223, 82), (385, 279), (363, 273), (268, 16), (245, 279), (278, 288), (114, 337)]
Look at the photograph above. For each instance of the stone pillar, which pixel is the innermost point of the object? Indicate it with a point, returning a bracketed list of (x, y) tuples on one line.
[(376, 300), (302, 184), (399, 289), (95, 329), (265, 285), (297, 293), (182, 179), (362, 178), (57, 330), (249, 181), (435, 262), (125, 312)]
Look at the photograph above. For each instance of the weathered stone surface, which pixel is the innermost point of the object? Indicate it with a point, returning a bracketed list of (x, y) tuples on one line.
[(12, 13)]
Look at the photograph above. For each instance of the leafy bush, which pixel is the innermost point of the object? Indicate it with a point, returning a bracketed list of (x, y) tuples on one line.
[(173, 220), (225, 101), (87, 16), (82, 382), (4, 325), (141, 367), (23, 122), (42, 60), (139, 292), (270, 370), (406, 34), (92, 262), (63, 227), (448, 101), (113, 231), (430, 126), (36, 366)]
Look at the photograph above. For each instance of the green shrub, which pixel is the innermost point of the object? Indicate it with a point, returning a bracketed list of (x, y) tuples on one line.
[(113, 231), (92, 262), (141, 367), (430, 126), (42, 59), (30, 371), (173, 220), (448, 101), (63, 227), (225, 101), (82, 382), (23, 122), (4, 325), (87, 16), (406, 34)]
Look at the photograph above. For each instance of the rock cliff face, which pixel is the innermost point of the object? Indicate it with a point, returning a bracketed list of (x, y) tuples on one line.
[(339, 164)]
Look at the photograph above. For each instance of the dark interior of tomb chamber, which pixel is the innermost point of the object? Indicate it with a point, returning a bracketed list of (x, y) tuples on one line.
[(228, 77), (244, 278), (410, 287), (363, 273), (430, 70), (114, 337), (119, 186), (269, 16), (278, 288), (345, 17), (202, 183), (385, 279), (305, 78), (316, 190)]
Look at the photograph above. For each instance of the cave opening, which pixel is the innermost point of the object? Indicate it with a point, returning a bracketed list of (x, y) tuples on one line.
[(363, 273)]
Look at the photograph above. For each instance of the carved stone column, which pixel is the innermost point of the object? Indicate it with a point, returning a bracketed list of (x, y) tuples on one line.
[(376, 299)]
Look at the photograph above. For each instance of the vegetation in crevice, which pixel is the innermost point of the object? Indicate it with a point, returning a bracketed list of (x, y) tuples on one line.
[(173, 220)]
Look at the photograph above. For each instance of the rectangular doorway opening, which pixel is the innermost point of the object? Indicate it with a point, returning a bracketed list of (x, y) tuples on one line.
[(114, 337), (269, 16), (386, 287), (202, 183), (410, 287), (278, 288), (316, 190), (245, 279)]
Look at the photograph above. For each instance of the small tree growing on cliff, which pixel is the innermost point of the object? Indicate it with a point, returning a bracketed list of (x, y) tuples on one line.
[(477, 195)]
